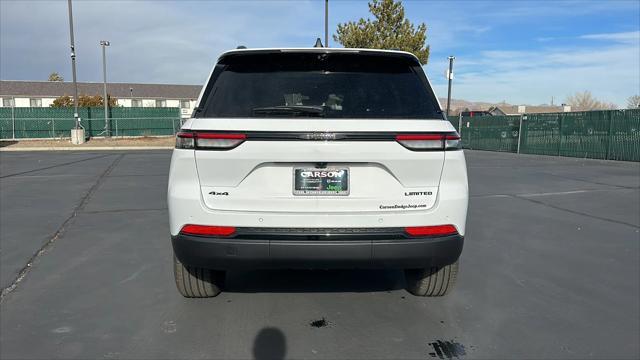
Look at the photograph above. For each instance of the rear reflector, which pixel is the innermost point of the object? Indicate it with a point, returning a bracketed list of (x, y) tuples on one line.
[(425, 142), (213, 141), (437, 230), (205, 230)]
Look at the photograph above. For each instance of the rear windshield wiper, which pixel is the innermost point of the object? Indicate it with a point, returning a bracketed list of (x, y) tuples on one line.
[(291, 110)]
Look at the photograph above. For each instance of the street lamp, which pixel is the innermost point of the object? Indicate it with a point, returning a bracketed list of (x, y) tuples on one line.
[(326, 23), (105, 100), (449, 78), (77, 133)]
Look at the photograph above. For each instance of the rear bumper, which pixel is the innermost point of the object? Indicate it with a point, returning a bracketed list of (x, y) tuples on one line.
[(326, 251)]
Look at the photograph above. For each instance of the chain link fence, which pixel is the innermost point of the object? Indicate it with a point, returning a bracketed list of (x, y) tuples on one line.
[(606, 134), (43, 123)]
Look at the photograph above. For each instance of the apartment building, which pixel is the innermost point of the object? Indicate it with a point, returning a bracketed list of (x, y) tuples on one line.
[(42, 94)]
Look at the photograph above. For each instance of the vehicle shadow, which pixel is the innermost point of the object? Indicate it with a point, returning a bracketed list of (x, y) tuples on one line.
[(314, 281), (269, 344)]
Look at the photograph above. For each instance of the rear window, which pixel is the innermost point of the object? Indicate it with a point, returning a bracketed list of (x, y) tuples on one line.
[(332, 85)]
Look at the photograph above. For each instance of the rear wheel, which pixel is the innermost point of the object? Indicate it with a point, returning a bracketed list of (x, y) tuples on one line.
[(433, 281), (194, 282)]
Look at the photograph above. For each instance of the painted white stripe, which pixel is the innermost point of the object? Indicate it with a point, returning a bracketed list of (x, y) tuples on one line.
[(561, 192)]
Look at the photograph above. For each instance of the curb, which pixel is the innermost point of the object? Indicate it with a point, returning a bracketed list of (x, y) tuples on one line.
[(91, 148)]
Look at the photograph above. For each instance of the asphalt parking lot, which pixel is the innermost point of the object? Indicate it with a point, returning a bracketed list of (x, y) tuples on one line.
[(550, 269)]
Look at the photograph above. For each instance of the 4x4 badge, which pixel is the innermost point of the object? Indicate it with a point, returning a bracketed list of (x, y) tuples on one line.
[(219, 193)]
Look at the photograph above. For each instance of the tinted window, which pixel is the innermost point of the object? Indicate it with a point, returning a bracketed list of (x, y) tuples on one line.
[(336, 85)]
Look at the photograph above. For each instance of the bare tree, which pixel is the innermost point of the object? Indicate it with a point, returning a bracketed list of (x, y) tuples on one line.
[(633, 102), (584, 101)]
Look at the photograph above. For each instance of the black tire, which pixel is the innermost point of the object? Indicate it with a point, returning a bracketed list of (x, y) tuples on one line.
[(194, 282), (434, 281)]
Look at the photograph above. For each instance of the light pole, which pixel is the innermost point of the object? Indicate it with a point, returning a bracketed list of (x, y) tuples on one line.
[(105, 100), (450, 77), (326, 23), (73, 67)]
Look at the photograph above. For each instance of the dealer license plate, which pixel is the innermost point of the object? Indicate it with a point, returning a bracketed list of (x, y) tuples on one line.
[(330, 181)]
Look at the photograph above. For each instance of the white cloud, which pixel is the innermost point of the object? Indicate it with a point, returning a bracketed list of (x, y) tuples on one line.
[(177, 42), (624, 37), (161, 41), (611, 71)]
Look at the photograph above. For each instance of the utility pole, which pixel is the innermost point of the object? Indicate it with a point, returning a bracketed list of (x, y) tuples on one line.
[(326, 23), (450, 77), (73, 67), (105, 99)]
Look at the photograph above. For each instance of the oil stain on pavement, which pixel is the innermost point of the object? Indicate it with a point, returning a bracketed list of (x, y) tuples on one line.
[(319, 323), (447, 349)]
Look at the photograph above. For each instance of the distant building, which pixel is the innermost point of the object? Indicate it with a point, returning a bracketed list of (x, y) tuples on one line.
[(42, 93), (529, 109)]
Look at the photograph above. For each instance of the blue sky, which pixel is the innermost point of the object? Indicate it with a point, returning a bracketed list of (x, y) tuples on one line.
[(516, 51)]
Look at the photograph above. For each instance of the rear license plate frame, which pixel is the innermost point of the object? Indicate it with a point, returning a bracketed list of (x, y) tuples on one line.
[(299, 191)]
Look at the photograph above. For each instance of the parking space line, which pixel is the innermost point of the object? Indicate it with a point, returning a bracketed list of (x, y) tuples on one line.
[(50, 176), (591, 182), (55, 166), (549, 193), (137, 175), (122, 210), (576, 212), (528, 197), (85, 199)]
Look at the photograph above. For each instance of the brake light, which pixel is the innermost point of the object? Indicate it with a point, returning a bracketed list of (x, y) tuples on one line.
[(213, 141), (425, 142), (185, 140), (205, 230), (437, 230)]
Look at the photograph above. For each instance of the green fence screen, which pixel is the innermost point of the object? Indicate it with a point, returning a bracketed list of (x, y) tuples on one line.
[(496, 133), (606, 134), (30, 123)]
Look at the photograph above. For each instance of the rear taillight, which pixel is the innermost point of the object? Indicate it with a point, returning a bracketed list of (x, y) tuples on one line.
[(427, 142), (437, 230), (219, 141), (206, 230), (211, 141), (185, 140), (452, 142)]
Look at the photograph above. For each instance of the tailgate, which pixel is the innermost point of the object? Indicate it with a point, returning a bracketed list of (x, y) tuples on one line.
[(259, 175)]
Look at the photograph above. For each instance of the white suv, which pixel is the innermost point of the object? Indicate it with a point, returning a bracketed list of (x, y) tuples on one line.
[(317, 158)]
